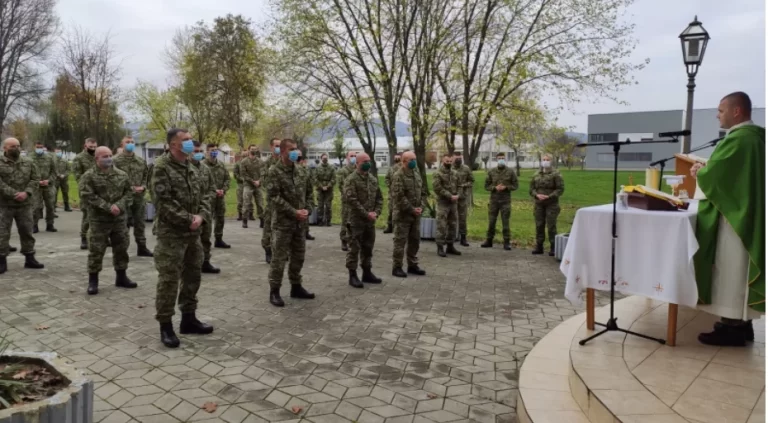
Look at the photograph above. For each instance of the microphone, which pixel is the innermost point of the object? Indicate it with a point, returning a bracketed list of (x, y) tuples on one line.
[(682, 133)]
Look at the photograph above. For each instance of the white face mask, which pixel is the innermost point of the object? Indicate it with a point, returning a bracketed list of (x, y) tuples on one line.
[(546, 164)]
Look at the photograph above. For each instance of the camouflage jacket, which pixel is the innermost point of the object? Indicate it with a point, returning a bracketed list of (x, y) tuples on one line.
[(265, 168), (83, 162), (62, 167), (390, 172), (407, 193), (445, 184), (178, 196), (136, 169), (325, 176), (207, 188), (547, 183), (466, 181), (289, 190), (363, 195), (219, 175), (17, 176), (505, 176), (250, 170), (46, 167), (236, 172), (341, 176), (100, 190)]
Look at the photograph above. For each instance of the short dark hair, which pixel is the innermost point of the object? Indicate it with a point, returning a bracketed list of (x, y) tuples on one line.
[(446, 155), (89, 139), (272, 141), (171, 134), (196, 143), (252, 145), (211, 146), (284, 143), (742, 100), (500, 155), (39, 143), (457, 153), (323, 155)]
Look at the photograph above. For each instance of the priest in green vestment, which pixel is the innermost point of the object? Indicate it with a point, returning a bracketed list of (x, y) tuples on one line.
[(730, 228)]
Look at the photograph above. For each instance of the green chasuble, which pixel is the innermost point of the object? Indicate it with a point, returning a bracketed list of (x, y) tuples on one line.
[(734, 183)]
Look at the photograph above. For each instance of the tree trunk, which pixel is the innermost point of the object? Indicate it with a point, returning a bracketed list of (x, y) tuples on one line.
[(240, 138), (517, 160)]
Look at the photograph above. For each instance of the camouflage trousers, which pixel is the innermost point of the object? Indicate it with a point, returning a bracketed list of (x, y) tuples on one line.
[(137, 212), (219, 210), (324, 206), (84, 222), (407, 231), (546, 214), (288, 247), (362, 237), (389, 209), (47, 200), (462, 209), (494, 208), (24, 222), (239, 196), (266, 233), (205, 239), (251, 195), (177, 259), (116, 233), (63, 186), (446, 222), (344, 219)]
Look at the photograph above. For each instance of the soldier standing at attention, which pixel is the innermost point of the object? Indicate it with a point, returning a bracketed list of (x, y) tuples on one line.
[(290, 196), (341, 176), (220, 185), (108, 192), (46, 168), (180, 203), (18, 184), (546, 188), (407, 200), (266, 235), (62, 181), (466, 183), (239, 180), (326, 177), (364, 200), (138, 174), (84, 162), (388, 182), (250, 171), (446, 188), (310, 175), (207, 188), (500, 182)]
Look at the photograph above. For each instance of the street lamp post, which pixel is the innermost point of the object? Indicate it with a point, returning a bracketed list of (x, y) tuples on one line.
[(694, 41)]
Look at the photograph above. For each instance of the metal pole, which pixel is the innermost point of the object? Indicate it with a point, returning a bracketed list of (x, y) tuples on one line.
[(686, 146)]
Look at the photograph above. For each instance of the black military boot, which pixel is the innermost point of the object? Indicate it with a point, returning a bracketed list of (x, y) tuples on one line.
[(450, 249), (463, 241), (724, 336), (191, 326), (538, 250), (268, 255), (389, 226), (551, 250), (129, 222), (93, 283), (353, 280), (328, 223), (416, 270), (83, 243), (220, 243), (298, 291), (440, 251), (344, 246), (49, 228), (250, 216), (35, 229), (398, 273), (274, 297), (12, 249), (245, 223), (66, 207), (143, 251), (369, 277), (747, 328), (122, 281), (239, 216), (487, 244), (261, 223), (209, 268), (168, 336), (31, 263), (55, 216), (3, 264), (507, 245), (310, 237)]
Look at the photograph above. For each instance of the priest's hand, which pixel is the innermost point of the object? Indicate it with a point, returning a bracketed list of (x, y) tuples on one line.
[(695, 169)]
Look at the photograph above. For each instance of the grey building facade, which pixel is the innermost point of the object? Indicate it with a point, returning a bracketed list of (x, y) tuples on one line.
[(639, 126)]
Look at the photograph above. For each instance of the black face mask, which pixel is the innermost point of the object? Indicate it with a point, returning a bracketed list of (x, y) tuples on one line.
[(457, 162), (91, 151), (13, 153), (447, 165)]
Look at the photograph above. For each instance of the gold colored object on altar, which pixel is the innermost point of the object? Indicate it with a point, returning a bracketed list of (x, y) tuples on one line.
[(646, 198), (652, 177)]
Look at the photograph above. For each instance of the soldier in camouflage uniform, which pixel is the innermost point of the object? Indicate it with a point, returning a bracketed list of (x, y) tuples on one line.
[(408, 197), (209, 193), (500, 182), (266, 234), (388, 182), (46, 168), (364, 200), (251, 173), (446, 187), (466, 181), (221, 181), (84, 162), (138, 175), (180, 202), (325, 180), (240, 185), (311, 175), (341, 176), (290, 194), (107, 192), (546, 188), (62, 179), (19, 183)]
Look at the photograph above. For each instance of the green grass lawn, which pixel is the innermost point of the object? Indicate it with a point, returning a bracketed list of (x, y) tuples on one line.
[(582, 188)]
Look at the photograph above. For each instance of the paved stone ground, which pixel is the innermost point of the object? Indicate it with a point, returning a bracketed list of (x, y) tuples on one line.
[(441, 348)]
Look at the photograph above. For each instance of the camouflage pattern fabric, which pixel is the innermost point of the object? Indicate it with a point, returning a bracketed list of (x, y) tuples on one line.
[(500, 200), (388, 182), (46, 167), (363, 196), (266, 234), (177, 260), (341, 176), (220, 179), (325, 176), (466, 181), (407, 194), (239, 180), (251, 170), (207, 187), (545, 212), (82, 163), (16, 176), (138, 175), (445, 184), (62, 182)]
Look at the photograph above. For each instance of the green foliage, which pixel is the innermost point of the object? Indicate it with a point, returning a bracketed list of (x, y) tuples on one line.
[(339, 147), (10, 390), (160, 109)]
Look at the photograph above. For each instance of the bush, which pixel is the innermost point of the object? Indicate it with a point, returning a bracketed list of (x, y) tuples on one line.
[(475, 166)]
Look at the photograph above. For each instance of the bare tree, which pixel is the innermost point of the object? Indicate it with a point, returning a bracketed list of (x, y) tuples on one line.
[(27, 31)]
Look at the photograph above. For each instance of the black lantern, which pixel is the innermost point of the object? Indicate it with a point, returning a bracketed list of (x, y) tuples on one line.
[(694, 41)]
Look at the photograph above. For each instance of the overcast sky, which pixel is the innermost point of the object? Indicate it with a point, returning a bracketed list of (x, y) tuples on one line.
[(734, 60)]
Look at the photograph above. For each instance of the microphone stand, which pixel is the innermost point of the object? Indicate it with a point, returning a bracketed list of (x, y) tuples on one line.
[(611, 325), (663, 162)]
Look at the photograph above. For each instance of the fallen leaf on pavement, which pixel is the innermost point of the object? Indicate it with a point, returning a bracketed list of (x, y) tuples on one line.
[(80, 313), (209, 407), (140, 306), (431, 396), (42, 327), (296, 409)]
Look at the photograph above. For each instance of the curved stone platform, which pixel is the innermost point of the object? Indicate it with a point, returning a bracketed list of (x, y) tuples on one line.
[(620, 378)]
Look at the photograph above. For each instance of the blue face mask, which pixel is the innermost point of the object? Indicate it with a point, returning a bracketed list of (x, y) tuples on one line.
[(59, 154), (198, 156), (214, 154), (39, 151), (129, 148), (353, 160), (277, 150), (293, 155), (187, 146), (412, 164), (501, 162)]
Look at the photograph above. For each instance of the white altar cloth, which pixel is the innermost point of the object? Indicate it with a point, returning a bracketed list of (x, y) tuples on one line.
[(654, 254)]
